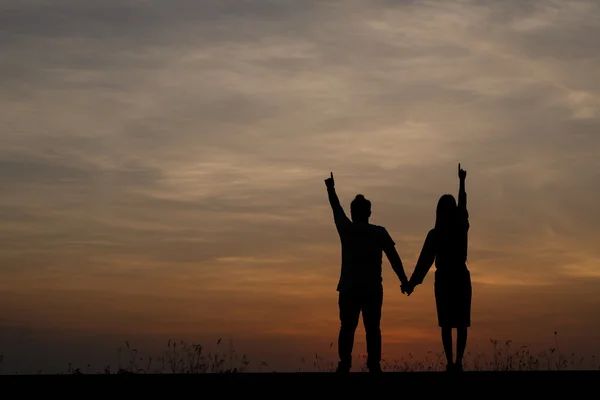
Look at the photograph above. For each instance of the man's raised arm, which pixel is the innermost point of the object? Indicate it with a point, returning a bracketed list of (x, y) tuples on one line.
[(338, 212)]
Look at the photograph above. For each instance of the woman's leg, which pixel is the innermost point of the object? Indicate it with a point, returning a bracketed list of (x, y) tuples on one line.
[(461, 344), (464, 321), (447, 342)]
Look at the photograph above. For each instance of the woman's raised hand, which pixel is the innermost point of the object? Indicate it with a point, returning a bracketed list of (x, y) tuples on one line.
[(462, 174)]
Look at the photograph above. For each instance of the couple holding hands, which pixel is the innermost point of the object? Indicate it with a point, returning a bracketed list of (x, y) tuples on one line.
[(361, 287)]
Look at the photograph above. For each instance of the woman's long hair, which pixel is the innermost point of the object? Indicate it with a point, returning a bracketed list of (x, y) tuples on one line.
[(447, 228)]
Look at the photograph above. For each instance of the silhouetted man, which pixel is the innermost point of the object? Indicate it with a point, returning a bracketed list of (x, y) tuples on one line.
[(361, 286)]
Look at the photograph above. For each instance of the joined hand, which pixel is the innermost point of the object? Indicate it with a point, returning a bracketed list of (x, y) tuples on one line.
[(407, 288)]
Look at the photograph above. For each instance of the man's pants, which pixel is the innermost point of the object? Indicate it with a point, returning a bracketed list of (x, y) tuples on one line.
[(351, 304)]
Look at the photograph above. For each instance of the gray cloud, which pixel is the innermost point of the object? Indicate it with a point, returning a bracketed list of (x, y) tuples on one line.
[(141, 134), (253, 111)]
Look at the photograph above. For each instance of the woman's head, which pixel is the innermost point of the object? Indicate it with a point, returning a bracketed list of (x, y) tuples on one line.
[(446, 212)]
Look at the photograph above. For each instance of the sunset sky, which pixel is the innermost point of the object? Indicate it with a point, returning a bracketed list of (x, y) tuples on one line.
[(162, 167)]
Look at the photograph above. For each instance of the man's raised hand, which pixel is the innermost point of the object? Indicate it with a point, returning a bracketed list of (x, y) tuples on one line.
[(329, 182)]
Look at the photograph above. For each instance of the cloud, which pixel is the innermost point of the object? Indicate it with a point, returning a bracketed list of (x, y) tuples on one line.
[(231, 123), (191, 139)]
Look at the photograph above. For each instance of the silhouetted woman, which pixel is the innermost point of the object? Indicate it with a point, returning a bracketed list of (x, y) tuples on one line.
[(446, 244)]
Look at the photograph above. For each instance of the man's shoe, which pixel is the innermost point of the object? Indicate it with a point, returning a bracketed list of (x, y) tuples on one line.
[(450, 367)]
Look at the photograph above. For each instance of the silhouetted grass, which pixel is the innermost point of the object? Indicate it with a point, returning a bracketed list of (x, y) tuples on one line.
[(503, 357), (179, 358), (183, 358)]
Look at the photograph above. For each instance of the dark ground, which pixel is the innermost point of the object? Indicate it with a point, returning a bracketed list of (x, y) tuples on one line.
[(564, 384)]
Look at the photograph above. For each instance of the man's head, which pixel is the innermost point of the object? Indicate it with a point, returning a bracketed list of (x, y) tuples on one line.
[(360, 209)]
